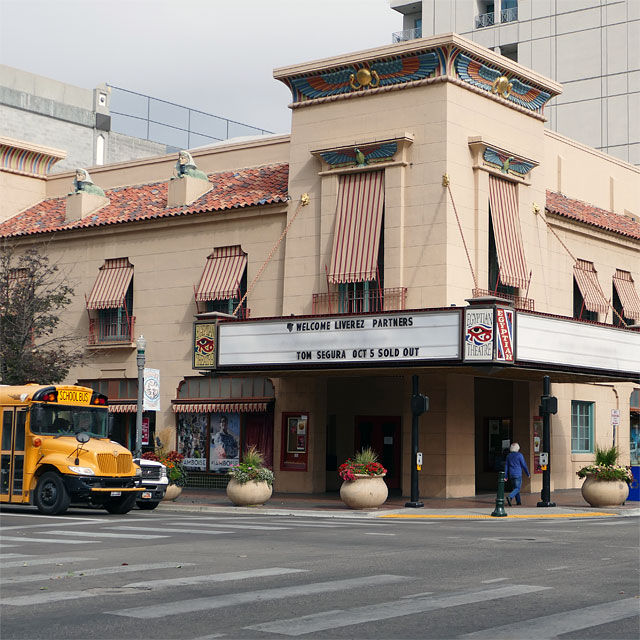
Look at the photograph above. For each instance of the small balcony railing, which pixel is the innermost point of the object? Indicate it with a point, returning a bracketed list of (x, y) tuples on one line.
[(509, 15), (109, 329), (485, 20), (392, 299), (407, 34), (519, 302)]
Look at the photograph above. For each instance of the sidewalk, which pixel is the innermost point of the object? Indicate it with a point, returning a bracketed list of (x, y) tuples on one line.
[(570, 504)]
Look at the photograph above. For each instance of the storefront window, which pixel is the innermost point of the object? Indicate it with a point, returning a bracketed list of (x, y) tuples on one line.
[(634, 444), (581, 427)]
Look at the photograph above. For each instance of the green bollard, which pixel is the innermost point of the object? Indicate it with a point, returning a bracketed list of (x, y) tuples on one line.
[(499, 511)]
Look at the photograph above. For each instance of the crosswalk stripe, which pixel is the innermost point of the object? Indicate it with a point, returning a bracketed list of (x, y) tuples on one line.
[(216, 577), (387, 610), (168, 530), (565, 622), (4, 556), (182, 607), (263, 527), (224, 525), (82, 573), (104, 534), (48, 540), (44, 597), (4, 546), (32, 561)]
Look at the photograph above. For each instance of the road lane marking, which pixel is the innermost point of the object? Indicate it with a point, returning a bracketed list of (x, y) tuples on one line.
[(169, 530), (182, 607), (216, 577), (368, 533), (102, 571), (387, 610), (43, 598), (49, 518), (494, 580), (560, 623), (48, 540), (101, 534), (560, 568), (255, 527), (34, 561)]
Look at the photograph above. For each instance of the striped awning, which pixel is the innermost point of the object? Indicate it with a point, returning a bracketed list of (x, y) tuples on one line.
[(222, 274), (587, 278), (503, 198), (356, 239), (219, 407), (110, 287), (623, 282), (123, 407)]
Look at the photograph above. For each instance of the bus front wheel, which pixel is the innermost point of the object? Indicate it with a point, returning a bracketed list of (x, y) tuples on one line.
[(51, 496)]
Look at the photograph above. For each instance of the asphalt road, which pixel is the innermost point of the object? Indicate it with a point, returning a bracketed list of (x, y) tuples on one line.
[(161, 575)]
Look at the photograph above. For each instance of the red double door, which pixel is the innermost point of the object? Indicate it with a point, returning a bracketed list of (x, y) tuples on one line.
[(382, 434)]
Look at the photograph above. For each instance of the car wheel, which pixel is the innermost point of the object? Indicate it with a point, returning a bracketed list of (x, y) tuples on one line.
[(51, 496), (121, 505), (147, 506)]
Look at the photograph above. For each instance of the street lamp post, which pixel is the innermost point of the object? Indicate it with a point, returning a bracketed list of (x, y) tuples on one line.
[(141, 345)]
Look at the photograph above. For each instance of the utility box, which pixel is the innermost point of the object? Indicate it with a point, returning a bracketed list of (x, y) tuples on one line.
[(634, 487)]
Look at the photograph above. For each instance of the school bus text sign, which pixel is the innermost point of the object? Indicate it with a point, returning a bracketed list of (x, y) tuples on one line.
[(74, 396)]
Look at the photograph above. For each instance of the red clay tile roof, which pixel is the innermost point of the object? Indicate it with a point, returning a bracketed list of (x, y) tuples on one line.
[(587, 213), (231, 189)]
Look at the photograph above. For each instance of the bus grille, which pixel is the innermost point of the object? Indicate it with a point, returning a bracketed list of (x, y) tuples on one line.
[(111, 465)]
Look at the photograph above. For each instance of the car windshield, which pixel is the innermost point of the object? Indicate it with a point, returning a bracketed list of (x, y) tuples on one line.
[(49, 419)]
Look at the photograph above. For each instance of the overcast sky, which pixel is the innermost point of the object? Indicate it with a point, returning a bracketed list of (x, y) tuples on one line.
[(213, 55)]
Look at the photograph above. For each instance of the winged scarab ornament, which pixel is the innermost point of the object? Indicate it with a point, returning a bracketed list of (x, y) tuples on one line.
[(507, 163), (484, 77), (360, 156)]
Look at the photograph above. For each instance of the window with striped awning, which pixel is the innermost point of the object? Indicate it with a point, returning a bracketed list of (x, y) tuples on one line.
[(356, 239), (586, 277), (629, 300), (110, 288), (222, 274), (503, 200)]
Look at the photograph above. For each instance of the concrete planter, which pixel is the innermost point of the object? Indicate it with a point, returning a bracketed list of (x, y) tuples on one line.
[(172, 492), (365, 492), (248, 493), (604, 493)]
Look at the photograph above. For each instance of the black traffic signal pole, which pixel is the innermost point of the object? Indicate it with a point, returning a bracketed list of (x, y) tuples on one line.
[(419, 404), (548, 406)]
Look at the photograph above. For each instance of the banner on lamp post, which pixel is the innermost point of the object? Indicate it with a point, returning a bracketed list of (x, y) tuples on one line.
[(151, 396)]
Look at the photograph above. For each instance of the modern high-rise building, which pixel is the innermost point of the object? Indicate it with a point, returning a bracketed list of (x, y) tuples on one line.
[(592, 47)]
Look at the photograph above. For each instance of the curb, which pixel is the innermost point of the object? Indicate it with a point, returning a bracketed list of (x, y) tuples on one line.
[(393, 514)]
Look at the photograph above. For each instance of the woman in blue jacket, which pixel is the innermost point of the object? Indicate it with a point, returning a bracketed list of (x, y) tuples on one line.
[(513, 468)]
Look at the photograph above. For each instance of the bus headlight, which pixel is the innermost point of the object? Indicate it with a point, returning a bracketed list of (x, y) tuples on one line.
[(138, 471), (83, 471)]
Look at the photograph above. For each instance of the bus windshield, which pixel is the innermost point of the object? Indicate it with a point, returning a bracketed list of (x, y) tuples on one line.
[(58, 419)]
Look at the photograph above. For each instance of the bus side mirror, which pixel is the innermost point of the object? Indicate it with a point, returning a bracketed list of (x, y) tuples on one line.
[(83, 437), (110, 420), (36, 415)]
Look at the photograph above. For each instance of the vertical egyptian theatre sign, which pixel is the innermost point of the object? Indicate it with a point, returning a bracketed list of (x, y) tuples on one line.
[(204, 345), (489, 334)]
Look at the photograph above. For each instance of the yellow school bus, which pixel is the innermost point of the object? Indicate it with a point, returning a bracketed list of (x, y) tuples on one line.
[(55, 451)]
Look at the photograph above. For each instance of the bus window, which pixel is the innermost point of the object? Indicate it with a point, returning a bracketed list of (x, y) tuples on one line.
[(56, 420)]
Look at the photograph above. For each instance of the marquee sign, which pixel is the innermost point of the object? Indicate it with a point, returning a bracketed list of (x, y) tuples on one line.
[(366, 340), (489, 334)]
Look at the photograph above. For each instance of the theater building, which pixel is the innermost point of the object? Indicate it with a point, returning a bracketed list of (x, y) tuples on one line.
[(418, 220)]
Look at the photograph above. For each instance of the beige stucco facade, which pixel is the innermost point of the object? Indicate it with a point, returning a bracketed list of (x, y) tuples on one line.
[(441, 125)]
